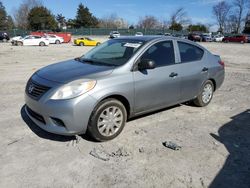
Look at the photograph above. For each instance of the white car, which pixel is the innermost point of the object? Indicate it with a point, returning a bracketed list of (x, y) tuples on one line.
[(53, 39), (31, 40), (218, 38), (114, 34), (139, 34)]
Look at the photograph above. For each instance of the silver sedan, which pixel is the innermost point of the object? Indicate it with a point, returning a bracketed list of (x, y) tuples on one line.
[(122, 78)]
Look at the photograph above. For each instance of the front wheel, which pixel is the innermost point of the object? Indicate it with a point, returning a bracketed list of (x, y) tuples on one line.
[(107, 120), (206, 95), (97, 44), (58, 42), (41, 44), (81, 44)]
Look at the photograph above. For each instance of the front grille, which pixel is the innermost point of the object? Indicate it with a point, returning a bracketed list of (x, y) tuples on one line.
[(35, 90), (35, 115)]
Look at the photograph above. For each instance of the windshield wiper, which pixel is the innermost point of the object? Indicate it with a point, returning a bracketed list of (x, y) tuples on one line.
[(91, 61)]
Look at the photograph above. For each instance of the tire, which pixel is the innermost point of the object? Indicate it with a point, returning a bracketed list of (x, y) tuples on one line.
[(242, 42), (57, 42), (97, 44), (41, 44), (98, 127), (19, 44), (81, 44), (206, 94)]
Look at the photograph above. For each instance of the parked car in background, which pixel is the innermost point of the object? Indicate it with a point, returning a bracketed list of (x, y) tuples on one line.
[(168, 34), (180, 36), (65, 35), (53, 39), (194, 37), (31, 40), (237, 38), (206, 38), (138, 34), (120, 79), (114, 34), (4, 37), (218, 38), (248, 38), (15, 38), (85, 41)]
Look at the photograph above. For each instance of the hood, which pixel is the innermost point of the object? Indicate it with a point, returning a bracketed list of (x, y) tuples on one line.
[(67, 71)]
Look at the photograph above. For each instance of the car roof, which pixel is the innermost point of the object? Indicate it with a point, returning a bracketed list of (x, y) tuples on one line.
[(148, 38)]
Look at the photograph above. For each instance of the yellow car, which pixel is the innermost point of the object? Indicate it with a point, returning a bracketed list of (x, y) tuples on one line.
[(85, 41)]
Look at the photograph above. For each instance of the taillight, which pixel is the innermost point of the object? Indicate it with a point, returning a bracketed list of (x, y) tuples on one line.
[(221, 63)]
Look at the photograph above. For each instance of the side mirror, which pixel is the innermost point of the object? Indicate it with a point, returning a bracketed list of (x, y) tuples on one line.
[(146, 64)]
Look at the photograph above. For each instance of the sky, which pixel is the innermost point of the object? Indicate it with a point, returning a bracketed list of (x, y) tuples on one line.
[(130, 10)]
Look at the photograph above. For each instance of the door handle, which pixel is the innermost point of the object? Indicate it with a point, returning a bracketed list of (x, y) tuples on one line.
[(205, 69), (173, 74)]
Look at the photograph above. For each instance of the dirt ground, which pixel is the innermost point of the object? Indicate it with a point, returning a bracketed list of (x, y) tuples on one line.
[(215, 140)]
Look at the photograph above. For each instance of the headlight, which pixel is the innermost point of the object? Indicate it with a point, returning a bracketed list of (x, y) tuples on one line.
[(74, 89)]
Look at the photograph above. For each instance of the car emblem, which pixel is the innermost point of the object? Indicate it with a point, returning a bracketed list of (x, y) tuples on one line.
[(31, 88)]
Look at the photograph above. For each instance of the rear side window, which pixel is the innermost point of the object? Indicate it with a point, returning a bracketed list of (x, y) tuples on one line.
[(161, 53), (189, 52)]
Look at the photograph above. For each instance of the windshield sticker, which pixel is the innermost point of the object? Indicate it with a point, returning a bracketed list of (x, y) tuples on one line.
[(132, 45)]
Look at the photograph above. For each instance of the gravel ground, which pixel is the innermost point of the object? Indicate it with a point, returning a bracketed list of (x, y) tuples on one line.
[(214, 140)]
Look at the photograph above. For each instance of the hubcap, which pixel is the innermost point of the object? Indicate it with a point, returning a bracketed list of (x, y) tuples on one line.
[(207, 93), (110, 121)]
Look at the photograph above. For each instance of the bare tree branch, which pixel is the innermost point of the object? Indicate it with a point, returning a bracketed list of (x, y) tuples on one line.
[(221, 11)]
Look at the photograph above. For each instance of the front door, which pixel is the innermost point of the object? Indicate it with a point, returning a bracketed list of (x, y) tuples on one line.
[(157, 87)]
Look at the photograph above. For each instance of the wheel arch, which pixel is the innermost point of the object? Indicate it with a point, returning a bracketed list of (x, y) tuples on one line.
[(214, 83), (120, 98)]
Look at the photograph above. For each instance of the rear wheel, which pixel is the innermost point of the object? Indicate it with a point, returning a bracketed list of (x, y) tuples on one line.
[(206, 95), (19, 44), (107, 120), (97, 44), (58, 42), (41, 44)]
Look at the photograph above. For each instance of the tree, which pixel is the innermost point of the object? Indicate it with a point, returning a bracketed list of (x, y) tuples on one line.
[(6, 21), (197, 27), (40, 18), (247, 24), (179, 16), (21, 14), (84, 17), (220, 11), (113, 21), (148, 22), (176, 27), (238, 14), (61, 20), (3, 17)]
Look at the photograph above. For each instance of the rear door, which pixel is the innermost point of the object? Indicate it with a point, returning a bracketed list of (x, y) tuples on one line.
[(193, 69), (157, 87)]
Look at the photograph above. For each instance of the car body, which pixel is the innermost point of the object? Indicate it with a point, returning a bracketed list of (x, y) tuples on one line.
[(218, 38), (138, 34), (114, 34), (237, 38), (31, 40), (4, 37), (54, 39), (120, 79), (86, 41), (206, 38), (194, 37)]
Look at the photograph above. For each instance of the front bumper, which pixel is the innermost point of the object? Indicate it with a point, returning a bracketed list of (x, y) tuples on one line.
[(64, 117)]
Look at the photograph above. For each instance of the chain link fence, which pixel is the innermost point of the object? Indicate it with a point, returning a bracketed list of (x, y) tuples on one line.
[(101, 31)]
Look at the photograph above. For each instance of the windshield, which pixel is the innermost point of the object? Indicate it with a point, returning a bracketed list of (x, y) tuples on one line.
[(113, 52)]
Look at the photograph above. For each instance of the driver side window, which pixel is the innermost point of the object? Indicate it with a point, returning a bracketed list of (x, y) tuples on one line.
[(161, 53)]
